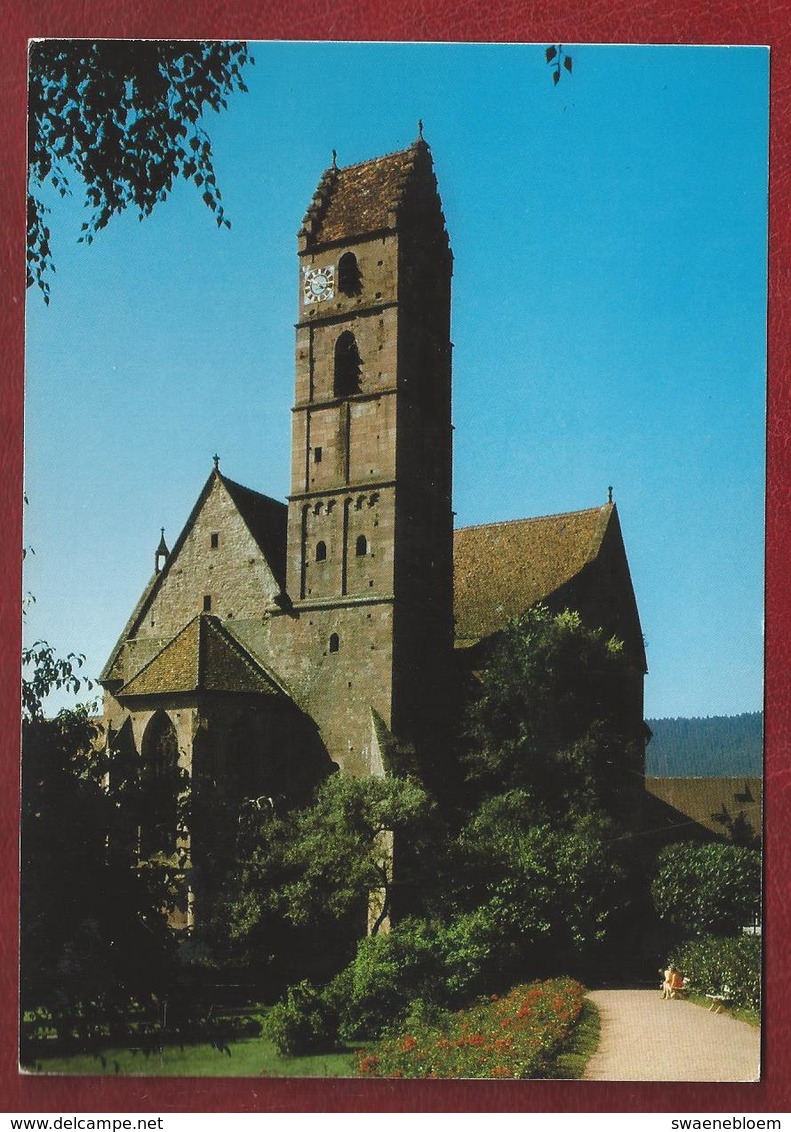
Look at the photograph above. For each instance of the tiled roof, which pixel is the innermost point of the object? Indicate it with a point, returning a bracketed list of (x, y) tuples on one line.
[(501, 569), (114, 669), (711, 802), (359, 198), (204, 656), (267, 521)]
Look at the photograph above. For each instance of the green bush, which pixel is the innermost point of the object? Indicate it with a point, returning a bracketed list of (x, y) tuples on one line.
[(303, 1023), (474, 950), (420, 969), (707, 889), (391, 973), (728, 966), (421, 1015), (387, 974), (442, 965)]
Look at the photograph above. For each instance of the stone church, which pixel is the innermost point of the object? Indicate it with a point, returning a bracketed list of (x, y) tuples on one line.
[(276, 641)]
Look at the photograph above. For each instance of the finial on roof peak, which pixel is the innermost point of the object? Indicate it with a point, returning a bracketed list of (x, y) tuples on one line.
[(335, 159), (216, 459), (609, 494)]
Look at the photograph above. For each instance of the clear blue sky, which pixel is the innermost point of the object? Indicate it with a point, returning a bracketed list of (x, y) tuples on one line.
[(608, 319)]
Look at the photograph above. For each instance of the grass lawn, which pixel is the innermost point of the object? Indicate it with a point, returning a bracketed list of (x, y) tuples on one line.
[(250, 1057), (742, 1013)]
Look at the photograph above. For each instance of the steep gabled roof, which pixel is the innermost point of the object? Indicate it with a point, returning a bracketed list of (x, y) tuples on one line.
[(501, 569), (205, 656), (363, 198), (265, 518), (112, 669)]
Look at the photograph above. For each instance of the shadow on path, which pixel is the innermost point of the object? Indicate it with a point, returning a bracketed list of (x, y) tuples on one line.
[(647, 1038)]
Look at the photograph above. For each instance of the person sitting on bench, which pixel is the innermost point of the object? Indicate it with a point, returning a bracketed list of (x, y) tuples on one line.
[(673, 984)]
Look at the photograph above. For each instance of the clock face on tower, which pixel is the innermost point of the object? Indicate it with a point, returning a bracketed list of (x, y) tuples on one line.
[(319, 284)]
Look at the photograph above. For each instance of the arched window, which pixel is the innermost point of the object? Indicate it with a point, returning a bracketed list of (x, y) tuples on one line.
[(335, 642), (349, 279), (160, 782), (321, 551), (347, 365), (362, 546)]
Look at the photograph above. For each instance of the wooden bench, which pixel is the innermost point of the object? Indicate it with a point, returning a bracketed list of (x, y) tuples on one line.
[(719, 1002)]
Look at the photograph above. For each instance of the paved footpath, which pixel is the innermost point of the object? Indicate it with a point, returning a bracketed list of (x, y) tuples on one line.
[(647, 1038)]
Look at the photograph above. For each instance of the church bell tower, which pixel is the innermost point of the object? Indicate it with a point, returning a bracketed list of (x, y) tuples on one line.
[(370, 559)]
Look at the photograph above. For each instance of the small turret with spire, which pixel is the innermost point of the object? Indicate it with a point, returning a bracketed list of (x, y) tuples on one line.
[(161, 552)]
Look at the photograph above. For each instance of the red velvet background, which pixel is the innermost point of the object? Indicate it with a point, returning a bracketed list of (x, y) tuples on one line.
[(543, 21)]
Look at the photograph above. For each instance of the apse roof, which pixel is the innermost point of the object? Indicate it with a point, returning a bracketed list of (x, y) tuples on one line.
[(204, 657)]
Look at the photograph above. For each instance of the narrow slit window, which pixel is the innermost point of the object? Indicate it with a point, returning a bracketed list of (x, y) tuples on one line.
[(321, 551), (335, 642), (215, 540), (362, 546), (317, 454), (207, 603)]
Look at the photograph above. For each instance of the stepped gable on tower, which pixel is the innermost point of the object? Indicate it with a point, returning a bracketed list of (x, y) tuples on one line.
[(365, 199), (574, 560)]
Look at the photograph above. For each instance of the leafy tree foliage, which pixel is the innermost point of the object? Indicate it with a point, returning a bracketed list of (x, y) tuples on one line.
[(43, 671), (94, 935), (707, 888), (318, 870), (546, 889), (558, 60), (548, 716), (342, 849), (123, 115), (531, 874), (544, 855)]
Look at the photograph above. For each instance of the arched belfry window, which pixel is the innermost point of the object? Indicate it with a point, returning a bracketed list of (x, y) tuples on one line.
[(362, 546), (160, 782), (349, 278), (321, 551), (335, 642), (347, 365)]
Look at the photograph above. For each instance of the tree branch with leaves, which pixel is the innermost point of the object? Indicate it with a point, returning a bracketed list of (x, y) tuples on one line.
[(124, 118), (559, 60)]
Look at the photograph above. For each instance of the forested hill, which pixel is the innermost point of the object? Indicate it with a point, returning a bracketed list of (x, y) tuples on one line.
[(703, 748)]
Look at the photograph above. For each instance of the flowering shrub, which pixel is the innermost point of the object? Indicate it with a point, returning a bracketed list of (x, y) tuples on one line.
[(729, 966), (514, 1036)]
